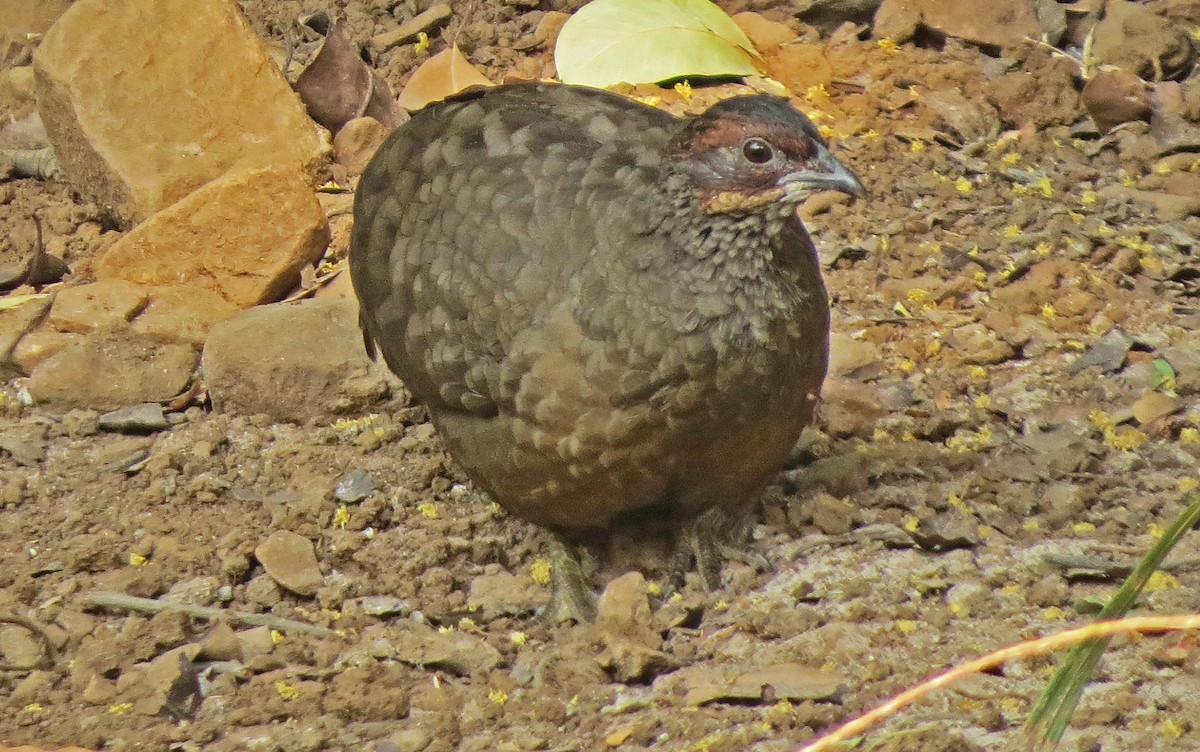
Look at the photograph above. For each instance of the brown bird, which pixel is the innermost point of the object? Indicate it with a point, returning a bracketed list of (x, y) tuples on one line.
[(607, 309)]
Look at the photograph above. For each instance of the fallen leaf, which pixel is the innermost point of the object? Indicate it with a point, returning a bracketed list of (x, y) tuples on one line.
[(442, 75), (645, 41), (337, 86)]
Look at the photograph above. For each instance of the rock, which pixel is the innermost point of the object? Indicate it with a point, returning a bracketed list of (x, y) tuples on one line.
[(504, 594), (979, 345), (1108, 353), (20, 649), (989, 23), (354, 486), (197, 591), (15, 323), (255, 642), (245, 236), (768, 684), (290, 560), (457, 652), (171, 684), (292, 361), (99, 305), (382, 606), (1153, 405), (632, 649), (26, 448), (1135, 37), (188, 123), (145, 418), (1116, 96), (356, 143), (184, 315), (220, 643), (847, 354), (112, 368), (38, 345)]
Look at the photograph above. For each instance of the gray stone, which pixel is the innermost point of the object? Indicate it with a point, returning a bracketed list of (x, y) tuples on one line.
[(147, 417), (294, 362)]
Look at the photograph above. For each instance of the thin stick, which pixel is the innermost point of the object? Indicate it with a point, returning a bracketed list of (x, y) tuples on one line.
[(992, 660), (120, 601)]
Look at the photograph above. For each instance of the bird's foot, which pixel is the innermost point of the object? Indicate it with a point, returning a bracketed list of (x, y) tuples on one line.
[(712, 538), (571, 598)]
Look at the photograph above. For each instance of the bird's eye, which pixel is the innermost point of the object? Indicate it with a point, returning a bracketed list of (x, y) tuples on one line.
[(757, 151)]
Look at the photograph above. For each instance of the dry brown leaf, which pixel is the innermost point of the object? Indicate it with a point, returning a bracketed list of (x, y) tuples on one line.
[(442, 75), (337, 86)]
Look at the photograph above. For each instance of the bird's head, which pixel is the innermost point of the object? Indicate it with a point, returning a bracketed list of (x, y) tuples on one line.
[(746, 153)]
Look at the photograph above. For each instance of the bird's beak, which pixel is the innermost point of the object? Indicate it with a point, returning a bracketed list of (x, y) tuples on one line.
[(828, 175)]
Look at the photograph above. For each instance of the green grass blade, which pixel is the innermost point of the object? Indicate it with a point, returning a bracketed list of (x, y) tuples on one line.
[(1052, 713)]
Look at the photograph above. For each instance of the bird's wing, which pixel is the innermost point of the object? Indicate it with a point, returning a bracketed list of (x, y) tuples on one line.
[(475, 219)]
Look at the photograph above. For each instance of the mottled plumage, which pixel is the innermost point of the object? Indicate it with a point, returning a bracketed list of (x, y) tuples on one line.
[(605, 308)]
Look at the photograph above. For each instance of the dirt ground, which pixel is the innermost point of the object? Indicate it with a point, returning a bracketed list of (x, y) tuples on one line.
[(997, 439)]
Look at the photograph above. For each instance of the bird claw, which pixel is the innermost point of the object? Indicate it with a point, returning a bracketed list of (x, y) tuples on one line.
[(571, 599), (709, 540)]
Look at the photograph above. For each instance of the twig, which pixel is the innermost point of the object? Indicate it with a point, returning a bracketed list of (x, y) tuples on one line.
[(120, 601), (992, 660)]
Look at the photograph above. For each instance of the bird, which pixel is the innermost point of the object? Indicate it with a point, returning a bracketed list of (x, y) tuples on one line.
[(608, 310)]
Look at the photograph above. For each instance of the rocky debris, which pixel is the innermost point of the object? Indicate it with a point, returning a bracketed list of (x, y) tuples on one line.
[(25, 445), (99, 305), (245, 236), (632, 647), (20, 648), (762, 684), (1113, 97), (289, 560), (220, 643), (137, 130), (990, 23), (383, 606), (504, 594), (112, 368), (296, 362), (145, 418), (418, 644), (170, 684), (1134, 36), (354, 486)]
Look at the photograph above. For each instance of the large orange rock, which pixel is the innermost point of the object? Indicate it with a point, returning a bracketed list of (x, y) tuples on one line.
[(245, 236), (147, 100)]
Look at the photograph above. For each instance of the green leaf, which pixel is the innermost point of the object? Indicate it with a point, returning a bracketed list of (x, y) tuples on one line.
[(1164, 375), (609, 42), (1049, 718), (12, 301)]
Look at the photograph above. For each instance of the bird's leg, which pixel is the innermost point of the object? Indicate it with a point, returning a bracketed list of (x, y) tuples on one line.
[(712, 537), (571, 599)]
